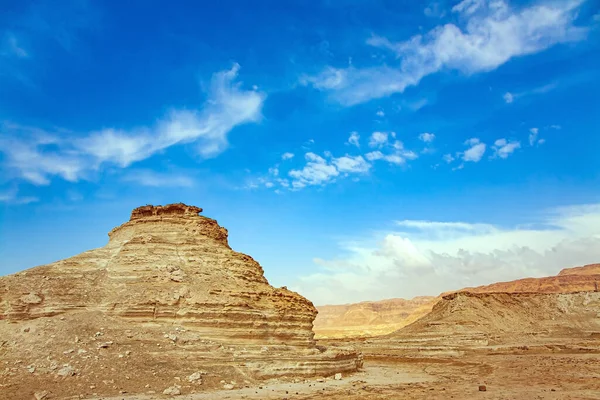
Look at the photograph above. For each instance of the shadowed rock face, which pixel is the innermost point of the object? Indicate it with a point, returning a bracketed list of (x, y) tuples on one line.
[(167, 268)]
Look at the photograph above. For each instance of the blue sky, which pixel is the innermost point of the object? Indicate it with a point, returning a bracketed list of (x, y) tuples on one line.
[(358, 150)]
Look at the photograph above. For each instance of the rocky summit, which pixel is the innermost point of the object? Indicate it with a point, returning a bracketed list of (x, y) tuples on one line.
[(165, 304)]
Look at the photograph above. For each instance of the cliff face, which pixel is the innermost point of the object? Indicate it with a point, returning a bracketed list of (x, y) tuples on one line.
[(166, 273)]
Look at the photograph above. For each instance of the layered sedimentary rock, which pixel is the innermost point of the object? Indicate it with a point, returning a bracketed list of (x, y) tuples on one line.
[(465, 318), (168, 289), (369, 318), (569, 280)]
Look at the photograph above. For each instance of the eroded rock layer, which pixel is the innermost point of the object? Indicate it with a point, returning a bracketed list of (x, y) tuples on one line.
[(168, 289)]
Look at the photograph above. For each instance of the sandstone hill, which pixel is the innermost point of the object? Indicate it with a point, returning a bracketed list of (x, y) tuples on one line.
[(483, 319), (165, 305), (369, 318), (386, 316)]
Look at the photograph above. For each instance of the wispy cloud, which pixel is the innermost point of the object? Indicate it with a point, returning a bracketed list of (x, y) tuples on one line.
[(493, 33), (145, 177), (354, 139), (510, 97), (12, 47), (287, 156), (504, 148), (37, 156), (11, 196), (317, 171)]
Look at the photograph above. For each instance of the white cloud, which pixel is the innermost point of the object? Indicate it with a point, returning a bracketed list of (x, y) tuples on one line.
[(145, 177), (398, 155), (374, 155), (29, 156), (475, 152), (354, 139), (317, 171), (351, 164), (533, 134), (380, 113), (492, 34), (503, 148), (427, 137), (508, 97), (378, 139), (287, 156), (430, 257), (448, 158)]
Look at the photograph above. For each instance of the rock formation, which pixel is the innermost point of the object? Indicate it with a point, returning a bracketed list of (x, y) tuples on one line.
[(482, 319), (569, 280), (166, 297)]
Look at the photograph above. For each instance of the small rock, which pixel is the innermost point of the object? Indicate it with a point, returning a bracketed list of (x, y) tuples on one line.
[(66, 370), (174, 390), (26, 330), (31, 369), (228, 386), (68, 351), (104, 345), (171, 337), (482, 388), (338, 377), (41, 395), (195, 377), (31, 298)]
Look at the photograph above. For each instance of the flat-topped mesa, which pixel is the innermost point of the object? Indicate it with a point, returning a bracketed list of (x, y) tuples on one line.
[(171, 220)]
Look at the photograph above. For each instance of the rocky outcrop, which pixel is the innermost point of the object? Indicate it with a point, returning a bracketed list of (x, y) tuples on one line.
[(369, 318), (167, 280), (482, 319)]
